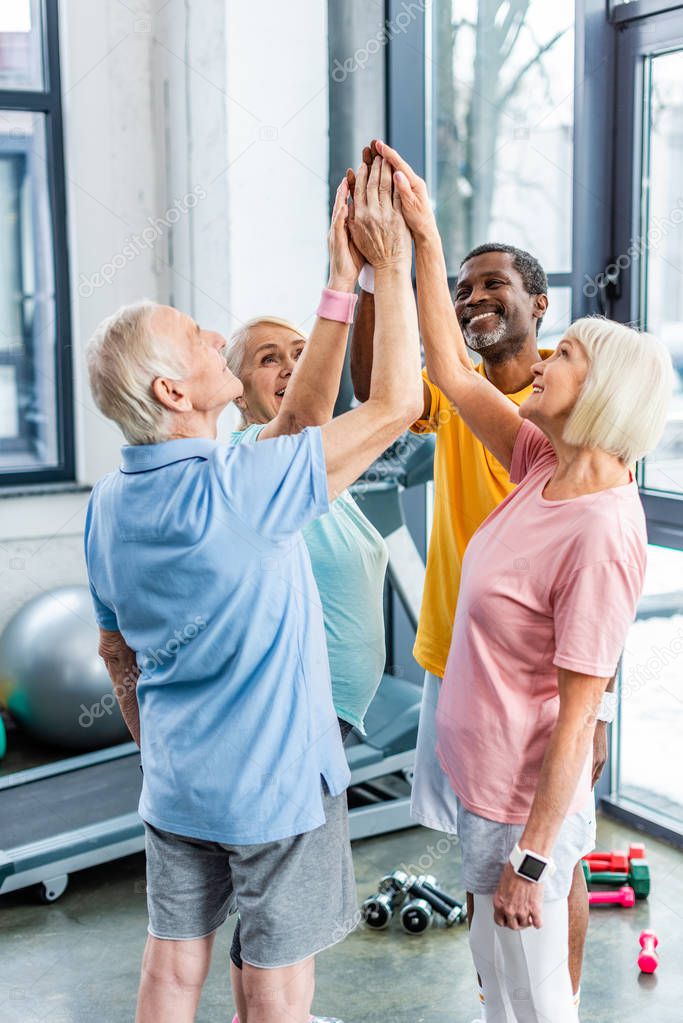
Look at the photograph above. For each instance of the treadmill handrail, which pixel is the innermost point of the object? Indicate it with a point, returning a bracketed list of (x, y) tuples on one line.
[(100, 756), (119, 828)]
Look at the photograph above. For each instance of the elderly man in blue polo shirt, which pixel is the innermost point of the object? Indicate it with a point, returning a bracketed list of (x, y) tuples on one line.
[(212, 630)]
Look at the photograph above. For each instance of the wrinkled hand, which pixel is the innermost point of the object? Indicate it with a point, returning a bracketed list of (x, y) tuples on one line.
[(600, 750), (345, 259), (416, 207), (377, 226), (517, 903)]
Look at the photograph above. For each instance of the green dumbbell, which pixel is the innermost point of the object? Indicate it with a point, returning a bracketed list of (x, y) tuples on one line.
[(638, 877)]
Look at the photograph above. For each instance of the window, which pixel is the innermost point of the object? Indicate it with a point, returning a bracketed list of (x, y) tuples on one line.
[(511, 120), (651, 708), (500, 133), (662, 224), (35, 368)]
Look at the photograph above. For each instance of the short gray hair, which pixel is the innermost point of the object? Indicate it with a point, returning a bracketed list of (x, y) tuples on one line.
[(124, 356)]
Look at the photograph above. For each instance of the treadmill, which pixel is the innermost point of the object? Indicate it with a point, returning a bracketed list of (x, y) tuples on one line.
[(81, 811)]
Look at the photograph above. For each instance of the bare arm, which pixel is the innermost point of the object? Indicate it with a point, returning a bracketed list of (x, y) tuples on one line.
[(312, 391), (123, 672), (518, 902), (362, 352), (354, 440), (361, 345), (487, 412), (567, 750)]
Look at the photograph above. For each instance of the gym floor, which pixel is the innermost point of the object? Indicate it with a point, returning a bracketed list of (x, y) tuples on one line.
[(78, 959)]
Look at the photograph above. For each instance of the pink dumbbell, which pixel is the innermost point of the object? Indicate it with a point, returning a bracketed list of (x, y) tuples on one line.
[(625, 897), (648, 960)]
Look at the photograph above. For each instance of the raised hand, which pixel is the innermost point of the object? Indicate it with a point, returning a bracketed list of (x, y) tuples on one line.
[(377, 226), (415, 204), (369, 154), (345, 259)]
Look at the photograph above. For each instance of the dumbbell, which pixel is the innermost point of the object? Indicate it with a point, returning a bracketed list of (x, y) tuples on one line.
[(427, 889), (417, 914), (458, 911), (624, 897), (617, 861), (648, 960), (378, 910), (614, 861), (637, 876)]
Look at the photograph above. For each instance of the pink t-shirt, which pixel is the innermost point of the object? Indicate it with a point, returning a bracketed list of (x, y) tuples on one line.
[(545, 585)]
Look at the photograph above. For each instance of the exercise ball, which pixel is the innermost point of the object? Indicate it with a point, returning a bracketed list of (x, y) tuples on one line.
[(52, 678)]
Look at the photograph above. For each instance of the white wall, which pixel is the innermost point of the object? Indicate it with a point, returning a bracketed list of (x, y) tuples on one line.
[(221, 97), (278, 158)]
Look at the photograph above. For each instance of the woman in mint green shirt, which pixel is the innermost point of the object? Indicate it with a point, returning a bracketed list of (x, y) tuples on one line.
[(348, 555)]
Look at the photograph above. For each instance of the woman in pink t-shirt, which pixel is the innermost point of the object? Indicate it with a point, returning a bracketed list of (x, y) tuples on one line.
[(550, 584)]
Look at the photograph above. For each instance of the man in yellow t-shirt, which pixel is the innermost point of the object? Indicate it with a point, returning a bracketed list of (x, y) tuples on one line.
[(500, 301)]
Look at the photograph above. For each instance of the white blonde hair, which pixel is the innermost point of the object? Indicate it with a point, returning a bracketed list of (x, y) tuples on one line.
[(124, 356), (237, 345), (624, 401)]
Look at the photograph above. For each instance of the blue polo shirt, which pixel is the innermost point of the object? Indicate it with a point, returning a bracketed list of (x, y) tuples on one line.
[(349, 561), (195, 555)]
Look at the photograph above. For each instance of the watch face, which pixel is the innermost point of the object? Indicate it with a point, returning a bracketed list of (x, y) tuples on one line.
[(532, 868)]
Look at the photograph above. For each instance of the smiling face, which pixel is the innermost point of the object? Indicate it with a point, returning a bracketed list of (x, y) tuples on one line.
[(496, 313), (270, 355), (556, 387)]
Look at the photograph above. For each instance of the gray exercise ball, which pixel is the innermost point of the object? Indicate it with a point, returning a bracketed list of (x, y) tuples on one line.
[(52, 678)]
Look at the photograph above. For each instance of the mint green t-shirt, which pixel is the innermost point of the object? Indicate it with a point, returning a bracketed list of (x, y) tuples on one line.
[(349, 560)]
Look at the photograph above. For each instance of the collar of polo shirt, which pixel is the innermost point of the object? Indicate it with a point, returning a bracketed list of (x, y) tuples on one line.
[(142, 457)]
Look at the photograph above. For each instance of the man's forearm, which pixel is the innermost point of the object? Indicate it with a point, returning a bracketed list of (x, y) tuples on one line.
[(362, 345), (121, 664), (130, 713)]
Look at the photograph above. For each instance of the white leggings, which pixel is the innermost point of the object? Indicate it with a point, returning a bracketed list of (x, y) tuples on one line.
[(524, 974)]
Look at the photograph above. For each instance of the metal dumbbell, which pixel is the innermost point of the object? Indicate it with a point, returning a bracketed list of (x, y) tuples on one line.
[(427, 899), (378, 910), (416, 916), (457, 910)]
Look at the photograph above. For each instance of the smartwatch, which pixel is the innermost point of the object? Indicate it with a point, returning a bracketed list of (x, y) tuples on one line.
[(530, 865)]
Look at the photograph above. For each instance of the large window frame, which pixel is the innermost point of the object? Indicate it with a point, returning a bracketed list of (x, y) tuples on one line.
[(599, 220), (601, 223), (48, 102), (665, 31)]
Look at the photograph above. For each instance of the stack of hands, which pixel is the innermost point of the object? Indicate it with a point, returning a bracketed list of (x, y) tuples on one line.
[(377, 209)]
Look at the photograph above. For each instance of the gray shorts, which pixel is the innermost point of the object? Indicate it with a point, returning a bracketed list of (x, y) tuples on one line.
[(295, 897), (486, 846)]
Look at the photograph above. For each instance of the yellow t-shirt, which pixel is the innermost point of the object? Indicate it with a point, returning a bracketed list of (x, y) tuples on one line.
[(468, 484)]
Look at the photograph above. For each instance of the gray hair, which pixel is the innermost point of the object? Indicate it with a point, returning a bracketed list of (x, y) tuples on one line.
[(124, 356), (237, 345)]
